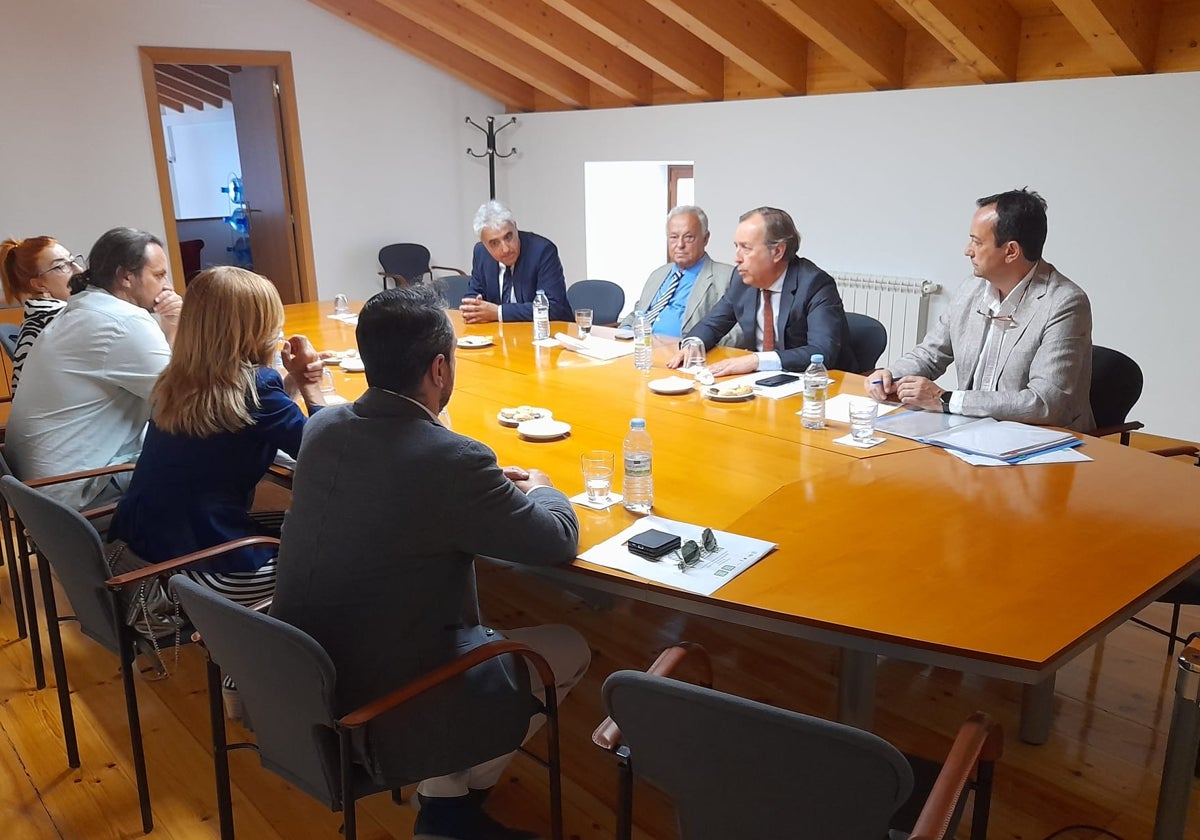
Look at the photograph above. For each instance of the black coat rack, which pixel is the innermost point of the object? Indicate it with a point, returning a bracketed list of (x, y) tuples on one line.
[(491, 154)]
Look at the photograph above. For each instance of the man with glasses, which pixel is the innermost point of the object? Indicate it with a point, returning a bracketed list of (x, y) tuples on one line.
[(1021, 334), (788, 308), (678, 295)]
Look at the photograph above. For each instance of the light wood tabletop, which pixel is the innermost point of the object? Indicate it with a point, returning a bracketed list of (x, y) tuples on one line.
[(900, 550)]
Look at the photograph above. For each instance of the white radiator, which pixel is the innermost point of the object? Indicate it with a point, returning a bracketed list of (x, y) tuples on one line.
[(900, 303)]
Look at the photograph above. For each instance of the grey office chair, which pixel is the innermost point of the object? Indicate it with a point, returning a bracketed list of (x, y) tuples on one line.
[(66, 541), (868, 338), (454, 289), (605, 298), (736, 768), (8, 337), (288, 685), (406, 263)]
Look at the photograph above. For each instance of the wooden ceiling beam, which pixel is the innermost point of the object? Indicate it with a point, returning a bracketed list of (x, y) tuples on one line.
[(176, 96), (570, 44), (208, 71), (983, 34), (456, 24), (859, 34), (450, 58), (168, 102), (654, 40), (170, 83), (750, 35), (194, 79), (1123, 33)]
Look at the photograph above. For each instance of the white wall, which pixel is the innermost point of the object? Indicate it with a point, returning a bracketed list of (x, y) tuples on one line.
[(624, 203), (382, 133), (885, 183), (202, 157)]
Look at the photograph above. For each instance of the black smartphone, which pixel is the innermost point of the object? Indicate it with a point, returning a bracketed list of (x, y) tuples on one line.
[(777, 379), (653, 544)]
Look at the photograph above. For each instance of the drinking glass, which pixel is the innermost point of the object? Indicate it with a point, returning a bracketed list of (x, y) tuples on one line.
[(327, 386), (862, 419), (583, 320), (597, 467), (341, 305)]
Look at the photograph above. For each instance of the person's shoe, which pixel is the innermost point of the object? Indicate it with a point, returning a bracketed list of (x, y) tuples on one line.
[(461, 818)]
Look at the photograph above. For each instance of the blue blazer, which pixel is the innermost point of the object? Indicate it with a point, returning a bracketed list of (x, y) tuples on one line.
[(538, 267), (809, 307)]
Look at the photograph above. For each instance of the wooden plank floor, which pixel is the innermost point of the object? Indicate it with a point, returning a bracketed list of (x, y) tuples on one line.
[(1100, 767)]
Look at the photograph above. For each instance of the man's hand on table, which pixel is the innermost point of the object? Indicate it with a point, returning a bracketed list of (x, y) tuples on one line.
[(526, 480), (476, 310)]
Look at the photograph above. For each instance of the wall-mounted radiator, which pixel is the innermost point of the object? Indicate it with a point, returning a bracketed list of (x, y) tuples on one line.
[(900, 303)]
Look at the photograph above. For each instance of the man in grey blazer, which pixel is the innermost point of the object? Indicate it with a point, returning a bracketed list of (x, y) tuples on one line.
[(1020, 335), (389, 510), (787, 308), (679, 294)]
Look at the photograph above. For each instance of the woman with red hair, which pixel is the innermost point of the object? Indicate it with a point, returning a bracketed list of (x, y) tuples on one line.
[(36, 273)]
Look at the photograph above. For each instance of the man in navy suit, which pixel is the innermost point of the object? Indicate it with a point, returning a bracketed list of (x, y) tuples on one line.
[(508, 268), (787, 307)]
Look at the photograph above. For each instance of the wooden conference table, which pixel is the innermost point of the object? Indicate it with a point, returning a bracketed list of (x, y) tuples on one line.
[(901, 550)]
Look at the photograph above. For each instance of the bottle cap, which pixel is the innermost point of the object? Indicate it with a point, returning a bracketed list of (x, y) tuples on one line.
[(817, 359), (637, 423), (541, 291)]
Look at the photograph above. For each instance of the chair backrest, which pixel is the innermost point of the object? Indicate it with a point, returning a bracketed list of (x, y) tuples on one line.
[(868, 338), (454, 289), (408, 259), (8, 337), (284, 678), (1116, 385), (71, 546), (189, 255), (737, 768), (605, 298)]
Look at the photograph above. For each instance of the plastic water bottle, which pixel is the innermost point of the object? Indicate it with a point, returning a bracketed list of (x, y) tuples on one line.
[(541, 316), (816, 384), (639, 479), (643, 348)]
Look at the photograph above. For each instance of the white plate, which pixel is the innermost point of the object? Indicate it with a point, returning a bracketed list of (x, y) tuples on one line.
[(714, 394), (353, 364), (671, 385), (544, 429), (475, 341), (542, 414)]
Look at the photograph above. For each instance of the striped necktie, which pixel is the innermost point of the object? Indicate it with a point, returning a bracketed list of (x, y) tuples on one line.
[(664, 297)]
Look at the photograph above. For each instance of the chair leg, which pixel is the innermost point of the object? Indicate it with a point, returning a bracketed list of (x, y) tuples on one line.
[(345, 752), (128, 665), (983, 800), (35, 636), (624, 795), (216, 714), (54, 634), (1174, 631), (554, 763), (14, 572)]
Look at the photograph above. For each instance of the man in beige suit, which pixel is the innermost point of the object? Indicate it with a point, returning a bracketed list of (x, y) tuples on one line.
[(679, 294), (1020, 336)]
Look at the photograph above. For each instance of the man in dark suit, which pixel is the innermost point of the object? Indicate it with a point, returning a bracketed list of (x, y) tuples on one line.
[(787, 307), (389, 510), (508, 268)]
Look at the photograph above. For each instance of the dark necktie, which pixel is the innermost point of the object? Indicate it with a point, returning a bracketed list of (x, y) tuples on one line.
[(506, 289), (665, 297), (768, 337)]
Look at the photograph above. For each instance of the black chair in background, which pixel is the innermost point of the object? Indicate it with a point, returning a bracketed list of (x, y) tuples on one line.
[(288, 685), (737, 768), (605, 298), (868, 338), (189, 255), (67, 542), (454, 289), (1116, 386), (407, 263), (8, 337)]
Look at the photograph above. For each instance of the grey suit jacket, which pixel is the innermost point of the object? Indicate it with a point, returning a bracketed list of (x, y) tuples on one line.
[(809, 307), (712, 281), (1045, 365), (389, 509)]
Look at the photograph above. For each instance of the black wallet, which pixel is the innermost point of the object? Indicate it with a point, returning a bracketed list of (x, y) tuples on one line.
[(653, 544)]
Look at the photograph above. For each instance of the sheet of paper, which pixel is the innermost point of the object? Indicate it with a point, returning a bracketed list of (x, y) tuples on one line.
[(733, 556), (595, 347), (1058, 456), (348, 318), (838, 407)]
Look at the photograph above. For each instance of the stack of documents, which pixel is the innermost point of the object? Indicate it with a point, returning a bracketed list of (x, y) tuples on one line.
[(1004, 440), (595, 347)]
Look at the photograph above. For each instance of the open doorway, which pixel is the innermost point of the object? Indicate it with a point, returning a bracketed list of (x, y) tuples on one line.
[(269, 198)]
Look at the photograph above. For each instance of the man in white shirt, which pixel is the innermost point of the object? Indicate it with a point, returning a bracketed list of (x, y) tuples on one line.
[(1020, 334), (85, 390)]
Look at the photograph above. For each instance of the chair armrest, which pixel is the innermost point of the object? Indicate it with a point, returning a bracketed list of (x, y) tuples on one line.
[(608, 735), (448, 268), (365, 714), (1120, 428), (78, 476), (1172, 451), (166, 566), (95, 513), (980, 740)]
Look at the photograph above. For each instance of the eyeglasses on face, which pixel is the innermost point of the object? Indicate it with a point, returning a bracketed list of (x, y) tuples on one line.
[(686, 239), (73, 264)]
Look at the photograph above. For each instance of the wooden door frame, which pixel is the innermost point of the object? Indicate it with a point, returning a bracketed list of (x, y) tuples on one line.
[(293, 164)]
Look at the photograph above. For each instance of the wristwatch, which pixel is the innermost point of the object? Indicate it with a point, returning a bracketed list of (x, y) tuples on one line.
[(946, 401)]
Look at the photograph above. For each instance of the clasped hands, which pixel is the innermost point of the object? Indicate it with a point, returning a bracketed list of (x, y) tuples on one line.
[(476, 310), (912, 391)]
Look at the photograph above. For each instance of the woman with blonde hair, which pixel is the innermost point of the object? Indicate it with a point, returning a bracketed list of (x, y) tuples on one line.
[(36, 272), (219, 414)]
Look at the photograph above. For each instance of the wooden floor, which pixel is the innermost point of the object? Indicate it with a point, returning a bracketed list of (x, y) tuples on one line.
[(1100, 767)]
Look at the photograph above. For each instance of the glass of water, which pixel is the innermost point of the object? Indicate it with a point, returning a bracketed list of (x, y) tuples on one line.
[(583, 321), (597, 467), (862, 419), (341, 305)]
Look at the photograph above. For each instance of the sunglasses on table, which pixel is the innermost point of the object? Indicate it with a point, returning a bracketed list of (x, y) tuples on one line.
[(691, 552)]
